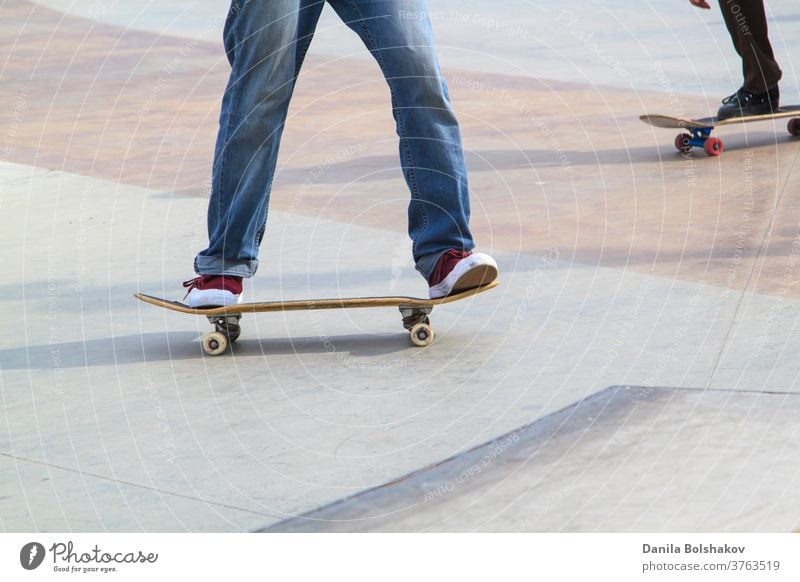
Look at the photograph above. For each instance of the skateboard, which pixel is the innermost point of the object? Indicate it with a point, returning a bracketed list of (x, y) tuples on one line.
[(700, 129), (414, 311)]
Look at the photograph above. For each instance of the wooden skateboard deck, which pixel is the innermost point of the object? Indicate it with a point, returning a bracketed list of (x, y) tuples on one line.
[(414, 310), (700, 129)]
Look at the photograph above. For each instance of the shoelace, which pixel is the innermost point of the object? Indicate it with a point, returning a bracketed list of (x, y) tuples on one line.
[(192, 284), (741, 96)]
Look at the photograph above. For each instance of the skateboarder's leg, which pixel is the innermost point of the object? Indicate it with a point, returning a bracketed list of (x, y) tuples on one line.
[(265, 42), (399, 36), (747, 24)]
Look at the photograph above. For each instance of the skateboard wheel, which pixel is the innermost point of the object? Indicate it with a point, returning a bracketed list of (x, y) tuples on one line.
[(683, 143), (421, 335), (794, 126), (215, 343), (713, 146)]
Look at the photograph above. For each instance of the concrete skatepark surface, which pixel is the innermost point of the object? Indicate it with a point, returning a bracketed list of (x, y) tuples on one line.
[(635, 370)]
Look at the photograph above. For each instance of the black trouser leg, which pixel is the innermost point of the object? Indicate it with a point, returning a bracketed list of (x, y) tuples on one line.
[(747, 24)]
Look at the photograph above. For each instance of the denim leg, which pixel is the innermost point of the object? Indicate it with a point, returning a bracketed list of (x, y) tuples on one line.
[(265, 42), (398, 34)]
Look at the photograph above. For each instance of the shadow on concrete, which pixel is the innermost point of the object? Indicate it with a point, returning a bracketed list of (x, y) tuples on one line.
[(542, 442), (118, 350), (356, 346), (594, 465), (157, 347), (375, 168)]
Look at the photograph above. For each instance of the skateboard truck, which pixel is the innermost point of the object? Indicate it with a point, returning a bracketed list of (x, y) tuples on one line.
[(699, 138)]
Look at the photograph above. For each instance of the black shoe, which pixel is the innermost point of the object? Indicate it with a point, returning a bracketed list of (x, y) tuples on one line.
[(744, 103)]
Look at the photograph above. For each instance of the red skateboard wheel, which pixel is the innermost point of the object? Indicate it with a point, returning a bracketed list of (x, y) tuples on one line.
[(713, 146), (683, 142)]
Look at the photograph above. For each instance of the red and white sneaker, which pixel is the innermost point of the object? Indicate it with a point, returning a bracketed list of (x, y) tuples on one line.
[(458, 271), (213, 291)]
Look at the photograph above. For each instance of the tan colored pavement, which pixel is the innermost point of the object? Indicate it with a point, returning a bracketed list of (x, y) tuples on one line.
[(554, 165)]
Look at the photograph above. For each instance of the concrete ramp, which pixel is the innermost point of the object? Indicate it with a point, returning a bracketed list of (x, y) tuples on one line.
[(626, 459)]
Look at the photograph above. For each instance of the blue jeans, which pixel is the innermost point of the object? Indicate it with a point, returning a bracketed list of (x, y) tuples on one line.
[(266, 42)]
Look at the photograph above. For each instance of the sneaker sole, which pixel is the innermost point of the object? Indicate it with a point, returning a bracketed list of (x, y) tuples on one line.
[(482, 272), (764, 109), (212, 298), (477, 277)]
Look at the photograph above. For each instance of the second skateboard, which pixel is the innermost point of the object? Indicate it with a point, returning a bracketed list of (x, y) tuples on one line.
[(698, 134)]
